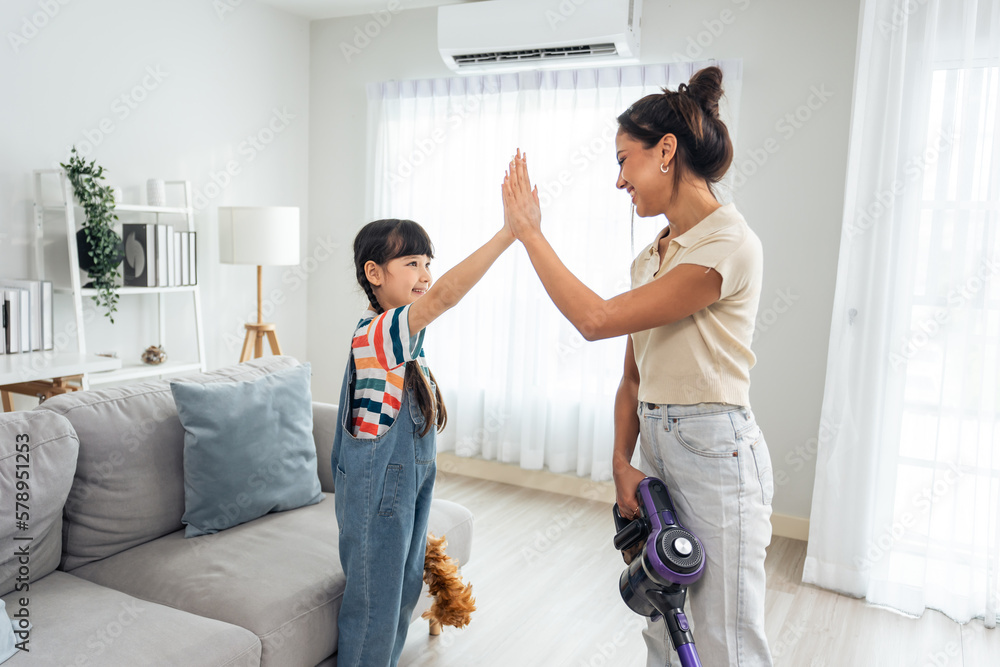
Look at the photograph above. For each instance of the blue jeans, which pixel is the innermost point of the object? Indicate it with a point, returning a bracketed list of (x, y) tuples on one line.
[(714, 461), (382, 498)]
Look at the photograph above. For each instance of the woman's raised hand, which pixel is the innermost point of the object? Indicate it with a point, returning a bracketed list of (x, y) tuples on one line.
[(522, 212)]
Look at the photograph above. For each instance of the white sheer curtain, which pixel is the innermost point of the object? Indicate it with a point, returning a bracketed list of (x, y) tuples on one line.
[(521, 386), (906, 506)]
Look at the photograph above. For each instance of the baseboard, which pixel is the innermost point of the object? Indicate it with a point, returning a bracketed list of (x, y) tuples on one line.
[(543, 480), (570, 485), (794, 527)]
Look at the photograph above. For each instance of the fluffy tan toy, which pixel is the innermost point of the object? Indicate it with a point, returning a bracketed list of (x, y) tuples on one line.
[(453, 601)]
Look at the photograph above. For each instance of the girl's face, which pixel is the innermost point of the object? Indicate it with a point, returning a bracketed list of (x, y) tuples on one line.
[(401, 281), (640, 175)]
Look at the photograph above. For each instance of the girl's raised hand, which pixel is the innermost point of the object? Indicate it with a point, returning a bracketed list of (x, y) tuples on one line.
[(522, 212)]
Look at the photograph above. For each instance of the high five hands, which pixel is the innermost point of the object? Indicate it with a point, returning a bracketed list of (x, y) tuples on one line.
[(522, 212)]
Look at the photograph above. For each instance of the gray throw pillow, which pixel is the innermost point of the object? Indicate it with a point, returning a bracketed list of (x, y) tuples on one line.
[(248, 449), (38, 453)]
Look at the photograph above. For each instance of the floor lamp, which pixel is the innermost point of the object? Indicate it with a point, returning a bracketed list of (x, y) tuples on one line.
[(265, 236)]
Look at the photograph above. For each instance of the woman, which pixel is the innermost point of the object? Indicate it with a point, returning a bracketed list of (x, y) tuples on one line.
[(685, 388)]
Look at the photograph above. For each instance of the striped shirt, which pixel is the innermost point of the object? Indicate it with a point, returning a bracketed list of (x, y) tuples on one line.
[(382, 345)]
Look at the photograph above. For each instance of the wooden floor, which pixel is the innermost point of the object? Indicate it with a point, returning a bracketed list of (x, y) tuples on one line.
[(545, 576)]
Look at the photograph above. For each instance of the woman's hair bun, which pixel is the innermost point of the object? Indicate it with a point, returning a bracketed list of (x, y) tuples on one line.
[(706, 88), (691, 114)]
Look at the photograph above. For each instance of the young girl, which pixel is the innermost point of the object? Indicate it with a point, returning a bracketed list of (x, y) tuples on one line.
[(384, 451), (685, 388)]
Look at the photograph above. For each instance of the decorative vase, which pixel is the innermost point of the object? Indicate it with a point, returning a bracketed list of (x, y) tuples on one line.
[(156, 192), (83, 253)]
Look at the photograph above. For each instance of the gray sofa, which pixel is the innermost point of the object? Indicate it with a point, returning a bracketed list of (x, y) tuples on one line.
[(112, 579)]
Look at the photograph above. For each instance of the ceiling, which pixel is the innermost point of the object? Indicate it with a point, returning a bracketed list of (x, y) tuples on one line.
[(325, 9)]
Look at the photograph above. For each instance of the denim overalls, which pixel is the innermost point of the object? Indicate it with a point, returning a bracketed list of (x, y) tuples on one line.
[(382, 496)]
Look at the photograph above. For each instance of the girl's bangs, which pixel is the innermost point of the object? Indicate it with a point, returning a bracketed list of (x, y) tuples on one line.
[(409, 238)]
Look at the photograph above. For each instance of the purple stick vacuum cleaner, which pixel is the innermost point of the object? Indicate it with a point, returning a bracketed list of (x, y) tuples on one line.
[(672, 558)]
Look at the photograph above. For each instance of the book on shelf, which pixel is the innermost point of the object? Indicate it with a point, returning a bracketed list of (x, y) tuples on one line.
[(139, 266), (39, 309), (158, 256), (18, 320), (185, 258), (48, 340), (170, 243), (36, 305), (193, 237), (161, 255), (176, 242)]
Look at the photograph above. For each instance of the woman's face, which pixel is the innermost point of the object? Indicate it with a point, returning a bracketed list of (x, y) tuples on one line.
[(640, 175)]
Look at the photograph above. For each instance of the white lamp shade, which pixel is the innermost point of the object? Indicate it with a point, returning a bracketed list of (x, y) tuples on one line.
[(262, 235)]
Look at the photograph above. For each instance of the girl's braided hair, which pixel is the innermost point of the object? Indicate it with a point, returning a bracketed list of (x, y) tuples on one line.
[(379, 242), (691, 113)]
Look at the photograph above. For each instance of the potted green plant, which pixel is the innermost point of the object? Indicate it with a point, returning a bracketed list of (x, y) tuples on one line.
[(98, 238)]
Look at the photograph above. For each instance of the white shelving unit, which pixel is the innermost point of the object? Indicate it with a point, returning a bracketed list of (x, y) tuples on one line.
[(66, 207)]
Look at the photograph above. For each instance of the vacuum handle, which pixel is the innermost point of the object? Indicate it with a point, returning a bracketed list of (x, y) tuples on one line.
[(630, 533)]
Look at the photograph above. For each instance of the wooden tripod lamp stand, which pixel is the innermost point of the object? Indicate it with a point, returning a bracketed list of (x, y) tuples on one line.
[(265, 236)]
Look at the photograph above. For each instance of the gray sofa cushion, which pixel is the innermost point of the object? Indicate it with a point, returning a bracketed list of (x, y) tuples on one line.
[(78, 623), (129, 484), (324, 428), (453, 521), (51, 458), (248, 449), (278, 576)]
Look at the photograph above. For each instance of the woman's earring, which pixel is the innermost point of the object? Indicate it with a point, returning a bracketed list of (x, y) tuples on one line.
[(664, 169)]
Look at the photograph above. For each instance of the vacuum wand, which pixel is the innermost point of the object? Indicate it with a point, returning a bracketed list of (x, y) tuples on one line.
[(666, 558)]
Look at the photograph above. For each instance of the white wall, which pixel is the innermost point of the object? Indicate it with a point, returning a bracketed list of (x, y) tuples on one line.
[(223, 77), (220, 78), (795, 52)]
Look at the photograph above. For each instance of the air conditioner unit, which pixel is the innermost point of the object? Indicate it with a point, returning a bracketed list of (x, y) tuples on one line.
[(527, 34)]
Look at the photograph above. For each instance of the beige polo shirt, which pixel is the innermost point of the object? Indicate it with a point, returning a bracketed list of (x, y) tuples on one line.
[(706, 357)]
